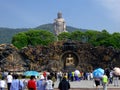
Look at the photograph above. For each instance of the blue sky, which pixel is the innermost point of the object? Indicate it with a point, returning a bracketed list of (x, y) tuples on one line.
[(85, 14)]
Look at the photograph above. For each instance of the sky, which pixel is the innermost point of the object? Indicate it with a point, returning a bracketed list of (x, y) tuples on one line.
[(85, 14)]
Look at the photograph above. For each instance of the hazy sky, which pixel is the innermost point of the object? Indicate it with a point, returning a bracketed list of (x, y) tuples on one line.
[(85, 14)]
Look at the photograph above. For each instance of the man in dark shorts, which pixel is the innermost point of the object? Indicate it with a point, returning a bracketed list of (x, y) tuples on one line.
[(97, 82)]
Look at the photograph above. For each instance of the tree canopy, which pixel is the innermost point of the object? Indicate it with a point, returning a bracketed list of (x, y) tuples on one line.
[(44, 37), (95, 38), (33, 37)]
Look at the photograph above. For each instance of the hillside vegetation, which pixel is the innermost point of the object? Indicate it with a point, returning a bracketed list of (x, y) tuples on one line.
[(6, 34)]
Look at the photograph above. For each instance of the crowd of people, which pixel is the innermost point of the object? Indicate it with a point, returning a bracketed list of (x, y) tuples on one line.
[(43, 82), (108, 78), (46, 80)]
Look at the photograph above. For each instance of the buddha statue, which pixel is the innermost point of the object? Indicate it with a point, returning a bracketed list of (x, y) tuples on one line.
[(59, 24), (69, 60)]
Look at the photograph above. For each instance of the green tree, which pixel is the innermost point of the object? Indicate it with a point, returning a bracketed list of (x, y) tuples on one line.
[(33, 37), (77, 35), (115, 40), (103, 38), (20, 40), (64, 36), (91, 36), (97, 38)]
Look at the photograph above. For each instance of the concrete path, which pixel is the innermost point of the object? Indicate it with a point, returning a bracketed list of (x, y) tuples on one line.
[(87, 85)]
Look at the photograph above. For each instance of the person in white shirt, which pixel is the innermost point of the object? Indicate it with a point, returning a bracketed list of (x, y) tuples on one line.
[(2, 84), (9, 80), (49, 84)]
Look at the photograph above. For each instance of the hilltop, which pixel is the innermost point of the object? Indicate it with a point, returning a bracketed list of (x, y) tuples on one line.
[(6, 34)]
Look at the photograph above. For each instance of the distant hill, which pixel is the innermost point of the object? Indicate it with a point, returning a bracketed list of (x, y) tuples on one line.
[(6, 34), (50, 27)]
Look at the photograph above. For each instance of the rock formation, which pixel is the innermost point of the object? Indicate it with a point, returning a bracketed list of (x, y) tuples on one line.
[(10, 59), (53, 57)]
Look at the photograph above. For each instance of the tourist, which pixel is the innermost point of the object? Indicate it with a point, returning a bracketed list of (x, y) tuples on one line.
[(9, 80), (66, 75), (111, 77), (104, 81), (45, 75), (41, 83), (59, 75), (97, 82), (25, 81), (91, 76), (115, 80), (77, 76), (53, 79), (107, 72), (16, 83), (2, 84), (49, 83), (69, 76), (64, 84), (72, 77), (32, 83), (53, 76)]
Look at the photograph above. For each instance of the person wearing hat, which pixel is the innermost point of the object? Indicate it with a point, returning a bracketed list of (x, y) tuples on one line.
[(41, 83)]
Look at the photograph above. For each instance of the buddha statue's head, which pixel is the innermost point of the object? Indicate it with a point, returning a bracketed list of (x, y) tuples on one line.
[(59, 15)]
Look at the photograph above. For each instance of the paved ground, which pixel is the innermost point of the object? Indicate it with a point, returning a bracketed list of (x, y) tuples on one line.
[(87, 85)]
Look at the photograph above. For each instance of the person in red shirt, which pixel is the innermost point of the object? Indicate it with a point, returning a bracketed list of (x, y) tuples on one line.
[(45, 75), (32, 83)]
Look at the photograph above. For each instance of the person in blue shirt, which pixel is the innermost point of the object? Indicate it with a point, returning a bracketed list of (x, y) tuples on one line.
[(16, 83), (41, 83)]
